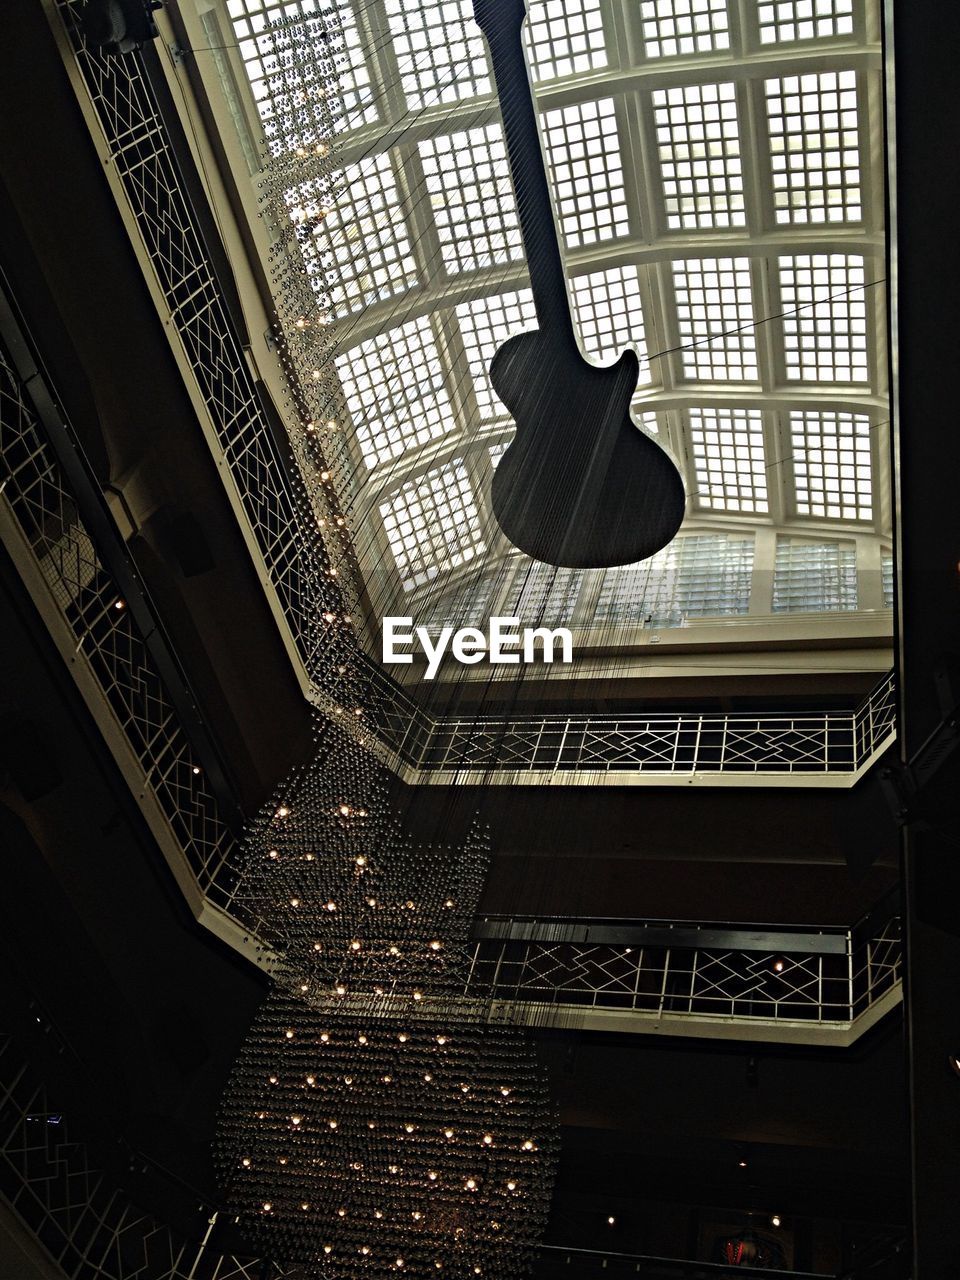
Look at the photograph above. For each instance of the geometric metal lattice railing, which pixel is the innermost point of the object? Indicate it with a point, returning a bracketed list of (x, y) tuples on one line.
[(787, 982), (86, 1225)]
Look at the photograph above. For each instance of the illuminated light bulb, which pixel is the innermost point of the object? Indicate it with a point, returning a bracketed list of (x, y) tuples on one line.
[(308, 857), (289, 1033), (505, 1091), (433, 1175), (371, 902), (529, 1146), (245, 1162), (438, 1264), (318, 946), (330, 617), (394, 951), (331, 906), (471, 1184), (436, 945), (267, 1206), (487, 1139), (196, 770), (357, 1165), (328, 1248), (311, 1080), (295, 1119), (281, 1160), (345, 810), (371, 1124), (340, 522), (283, 812), (775, 1220), (273, 1079), (409, 1127), (355, 945), (387, 1079), (119, 604), (400, 1262), (324, 475), (448, 1133), (364, 1249), (441, 1039), (362, 1039), (360, 861), (428, 1077), (403, 1037), (511, 1186), (341, 1213), (273, 854), (779, 966), (418, 995), (294, 902), (348, 1079), (416, 1215), (477, 1270), (331, 424), (304, 986), (611, 1220), (340, 989), (324, 1037), (377, 1214), (393, 1168), (464, 1088), (448, 903), (378, 991)]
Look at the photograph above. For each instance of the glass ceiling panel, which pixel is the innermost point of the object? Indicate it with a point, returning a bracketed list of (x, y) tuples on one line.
[(815, 147), (698, 135), (394, 389), (672, 27), (667, 192), (441, 57), (471, 195)]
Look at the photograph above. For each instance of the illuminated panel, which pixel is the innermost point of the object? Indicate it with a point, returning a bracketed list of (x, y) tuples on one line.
[(698, 140), (671, 27), (431, 524), (831, 464), (284, 86), (787, 20), (540, 593), (484, 325), (394, 389), (695, 576), (564, 39), (467, 605), (468, 180), (886, 578), (814, 577), (440, 52), (729, 459), (825, 318), (356, 247), (715, 318), (815, 147), (586, 171), (607, 314)]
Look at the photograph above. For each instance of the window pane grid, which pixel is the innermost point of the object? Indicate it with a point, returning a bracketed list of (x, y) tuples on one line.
[(607, 314), (825, 325), (393, 385), (715, 318), (564, 39), (886, 578), (431, 524), (698, 140), (440, 52), (696, 576), (586, 171), (814, 577), (815, 147), (468, 179), (484, 326), (467, 605), (355, 243), (292, 93), (729, 459), (671, 27), (542, 594), (786, 20), (832, 464)]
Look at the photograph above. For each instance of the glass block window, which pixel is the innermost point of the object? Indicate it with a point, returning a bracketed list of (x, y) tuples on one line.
[(586, 171), (785, 20), (466, 605), (564, 39), (825, 320), (715, 318), (468, 181), (354, 238), (815, 147), (729, 459), (886, 578), (607, 314), (670, 27), (696, 576), (431, 524), (831, 464), (393, 386), (484, 326), (698, 140), (541, 594), (814, 577), (291, 89), (441, 55)]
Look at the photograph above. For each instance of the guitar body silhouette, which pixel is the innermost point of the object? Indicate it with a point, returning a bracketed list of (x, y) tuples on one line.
[(580, 485)]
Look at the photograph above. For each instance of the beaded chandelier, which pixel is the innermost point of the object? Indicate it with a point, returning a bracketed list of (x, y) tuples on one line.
[(375, 1122)]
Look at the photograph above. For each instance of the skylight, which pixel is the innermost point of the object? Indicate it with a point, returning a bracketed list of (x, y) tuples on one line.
[(672, 27), (608, 316), (563, 39), (787, 20), (825, 317), (431, 524), (698, 137), (583, 154), (832, 464), (815, 147), (484, 325), (715, 318), (440, 55), (729, 458)]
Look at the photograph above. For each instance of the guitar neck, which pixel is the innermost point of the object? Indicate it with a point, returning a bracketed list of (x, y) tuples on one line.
[(501, 22)]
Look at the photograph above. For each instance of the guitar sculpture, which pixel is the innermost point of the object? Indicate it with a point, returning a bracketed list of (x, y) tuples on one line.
[(580, 485)]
